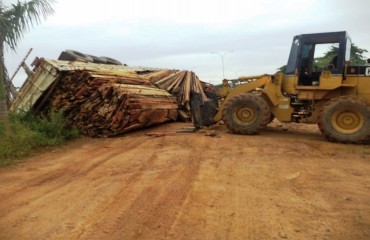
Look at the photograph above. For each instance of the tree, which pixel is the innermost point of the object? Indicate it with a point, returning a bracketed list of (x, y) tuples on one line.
[(14, 22), (282, 68), (357, 57), (327, 58)]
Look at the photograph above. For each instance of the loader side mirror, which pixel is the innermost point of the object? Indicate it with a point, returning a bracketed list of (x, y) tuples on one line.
[(368, 60)]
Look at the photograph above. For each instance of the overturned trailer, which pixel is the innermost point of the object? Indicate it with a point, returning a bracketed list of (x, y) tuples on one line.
[(107, 100)]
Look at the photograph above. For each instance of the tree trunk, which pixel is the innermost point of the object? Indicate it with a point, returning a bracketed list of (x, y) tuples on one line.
[(4, 119)]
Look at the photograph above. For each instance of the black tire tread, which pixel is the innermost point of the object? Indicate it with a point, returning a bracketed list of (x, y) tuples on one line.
[(72, 55), (111, 61), (331, 134), (263, 118)]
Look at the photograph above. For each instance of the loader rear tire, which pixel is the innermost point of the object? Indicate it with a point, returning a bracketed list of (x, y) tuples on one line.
[(246, 113), (345, 120)]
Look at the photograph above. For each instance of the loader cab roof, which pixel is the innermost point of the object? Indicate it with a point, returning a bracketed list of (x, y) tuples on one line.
[(303, 47)]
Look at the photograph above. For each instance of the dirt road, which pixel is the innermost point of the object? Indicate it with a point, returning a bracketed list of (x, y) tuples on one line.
[(277, 185)]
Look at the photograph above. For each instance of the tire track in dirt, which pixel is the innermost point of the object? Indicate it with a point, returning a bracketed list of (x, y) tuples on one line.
[(275, 185), (110, 204), (152, 210), (68, 168), (224, 202), (60, 177), (160, 213)]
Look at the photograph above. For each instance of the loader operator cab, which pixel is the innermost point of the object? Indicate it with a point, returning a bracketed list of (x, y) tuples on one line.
[(312, 54)]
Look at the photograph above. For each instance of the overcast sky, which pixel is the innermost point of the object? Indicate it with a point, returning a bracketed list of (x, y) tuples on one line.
[(180, 34)]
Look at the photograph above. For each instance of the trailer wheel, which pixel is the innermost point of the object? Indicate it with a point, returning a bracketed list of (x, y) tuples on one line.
[(71, 55), (111, 61), (97, 59), (345, 120), (246, 114)]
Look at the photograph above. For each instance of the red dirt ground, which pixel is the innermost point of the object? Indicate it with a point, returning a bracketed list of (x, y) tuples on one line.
[(279, 184)]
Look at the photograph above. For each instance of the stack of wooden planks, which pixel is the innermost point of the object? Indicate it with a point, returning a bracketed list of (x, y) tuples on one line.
[(110, 103)]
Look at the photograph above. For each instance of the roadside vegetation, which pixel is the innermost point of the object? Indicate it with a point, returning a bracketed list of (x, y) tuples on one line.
[(21, 133), (28, 133)]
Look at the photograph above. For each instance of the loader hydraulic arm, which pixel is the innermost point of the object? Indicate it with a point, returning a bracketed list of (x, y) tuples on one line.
[(248, 84)]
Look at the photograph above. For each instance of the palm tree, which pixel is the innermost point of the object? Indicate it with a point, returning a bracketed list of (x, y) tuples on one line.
[(14, 21)]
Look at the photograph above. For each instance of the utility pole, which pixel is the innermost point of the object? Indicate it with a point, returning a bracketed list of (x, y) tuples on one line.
[(222, 55)]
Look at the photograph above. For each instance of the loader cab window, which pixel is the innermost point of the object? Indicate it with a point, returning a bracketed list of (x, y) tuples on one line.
[(326, 57), (314, 59), (306, 64), (292, 61)]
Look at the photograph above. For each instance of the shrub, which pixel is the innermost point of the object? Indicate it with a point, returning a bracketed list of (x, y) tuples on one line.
[(29, 132)]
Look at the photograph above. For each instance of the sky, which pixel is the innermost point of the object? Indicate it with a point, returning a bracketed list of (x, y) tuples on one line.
[(254, 37)]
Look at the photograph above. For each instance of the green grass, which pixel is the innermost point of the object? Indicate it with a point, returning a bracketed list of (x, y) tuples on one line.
[(28, 133)]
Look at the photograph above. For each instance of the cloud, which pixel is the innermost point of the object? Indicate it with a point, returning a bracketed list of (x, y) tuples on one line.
[(211, 13), (182, 34)]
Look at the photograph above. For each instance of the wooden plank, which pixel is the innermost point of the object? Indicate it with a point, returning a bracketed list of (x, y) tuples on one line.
[(104, 103)]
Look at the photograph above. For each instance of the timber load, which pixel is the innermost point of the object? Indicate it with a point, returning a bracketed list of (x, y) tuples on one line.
[(108, 100), (106, 104)]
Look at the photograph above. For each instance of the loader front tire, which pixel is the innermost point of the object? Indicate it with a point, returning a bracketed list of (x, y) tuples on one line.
[(345, 120), (246, 113)]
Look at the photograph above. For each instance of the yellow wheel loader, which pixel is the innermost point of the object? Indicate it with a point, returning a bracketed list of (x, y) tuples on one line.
[(335, 96)]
